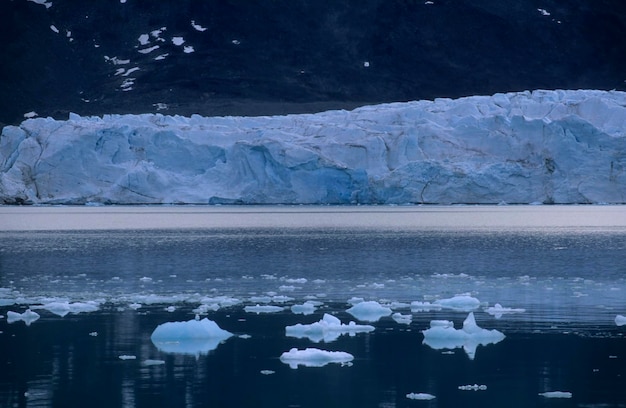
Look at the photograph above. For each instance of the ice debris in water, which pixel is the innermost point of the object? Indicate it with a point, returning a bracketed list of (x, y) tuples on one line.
[(418, 306), (497, 310), (402, 319), (61, 308), (306, 308), (127, 357), (556, 394), (370, 311), (620, 320), (463, 303), (443, 335), (150, 362), (474, 387), (420, 396), (312, 357), (190, 337), (263, 309), (27, 317), (267, 372), (328, 329)]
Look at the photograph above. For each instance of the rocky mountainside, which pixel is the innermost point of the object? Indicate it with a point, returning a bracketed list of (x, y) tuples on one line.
[(232, 57)]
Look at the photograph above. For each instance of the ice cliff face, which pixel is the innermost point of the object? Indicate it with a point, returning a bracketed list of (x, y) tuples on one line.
[(544, 146)]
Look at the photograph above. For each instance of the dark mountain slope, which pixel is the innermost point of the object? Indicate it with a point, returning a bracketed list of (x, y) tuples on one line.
[(282, 56)]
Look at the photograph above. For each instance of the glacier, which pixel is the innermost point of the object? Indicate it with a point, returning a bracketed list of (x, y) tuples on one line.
[(559, 146)]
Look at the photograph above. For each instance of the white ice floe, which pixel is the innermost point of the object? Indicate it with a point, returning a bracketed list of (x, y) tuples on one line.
[(498, 311), (263, 309), (312, 357), (144, 39), (30, 115), (150, 362), (188, 49), (401, 318), (306, 308), (267, 372), (556, 394), (178, 40), (370, 311), (190, 337), (443, 335), (418, 306), (474, 387), (197, 27), (420, 396), (27, 317), (63, 308), (463, 303), (328, 329), (620, 320), (127, 357)]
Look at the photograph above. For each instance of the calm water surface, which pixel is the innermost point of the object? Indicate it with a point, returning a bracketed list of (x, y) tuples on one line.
[(565, 267)]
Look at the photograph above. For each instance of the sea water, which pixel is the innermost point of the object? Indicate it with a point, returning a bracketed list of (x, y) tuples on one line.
[(102, 279)]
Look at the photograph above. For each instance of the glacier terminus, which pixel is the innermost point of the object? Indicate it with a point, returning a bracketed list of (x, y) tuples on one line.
[(561, 146)]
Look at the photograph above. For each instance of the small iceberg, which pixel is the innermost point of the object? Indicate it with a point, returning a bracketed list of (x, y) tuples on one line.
[(191, 337), (312, 357), (443, 335), (462, 303), (556, 394), (306, 308), (61, 308), (263, 309), (620, 320), (418, 306), (402, 319), (27, 317), (420, 396), (328, 329), (369, 311), (497, 310)]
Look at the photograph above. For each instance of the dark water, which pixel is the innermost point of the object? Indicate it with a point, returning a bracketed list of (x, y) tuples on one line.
[(570, 281)]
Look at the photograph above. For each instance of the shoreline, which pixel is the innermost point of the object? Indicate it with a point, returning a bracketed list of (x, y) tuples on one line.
[(427, 217)]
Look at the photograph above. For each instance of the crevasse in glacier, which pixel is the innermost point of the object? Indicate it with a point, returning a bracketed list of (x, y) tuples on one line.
[(524, 147)]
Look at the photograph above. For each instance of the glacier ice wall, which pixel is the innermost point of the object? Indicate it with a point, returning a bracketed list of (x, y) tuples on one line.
[(525, 147)]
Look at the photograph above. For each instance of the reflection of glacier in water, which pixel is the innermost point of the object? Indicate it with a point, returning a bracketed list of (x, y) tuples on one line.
[(552, 296)]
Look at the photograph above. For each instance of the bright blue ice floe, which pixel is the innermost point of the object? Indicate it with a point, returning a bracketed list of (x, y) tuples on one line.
[(313, 357), (27, 317), (191, 337), (443, 335), (524, 147), (328, 329), (370, 311)]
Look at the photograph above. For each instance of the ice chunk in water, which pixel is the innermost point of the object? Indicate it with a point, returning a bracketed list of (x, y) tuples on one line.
[(420, 396), (369, 311), (464, 303), (190, 337), (556, 394), (263, 309), (443, 335), (312, 357), (620, 320), (497, 310), (27, 317), (62, 309), (328, 329)]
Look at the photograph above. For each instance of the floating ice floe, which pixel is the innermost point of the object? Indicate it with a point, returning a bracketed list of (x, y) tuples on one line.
[(127, 357), (328, 329), (370, 311), (312, 357), (497, 310), (443, 335), (620, 320), (62, 309), (556, 394), (150, 362), (263, 309), (306, 308), (418, 306), (267, 372), (471, 387), (27, 317), (420, 396), (190, 337), (463, 303), (402, 319)]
